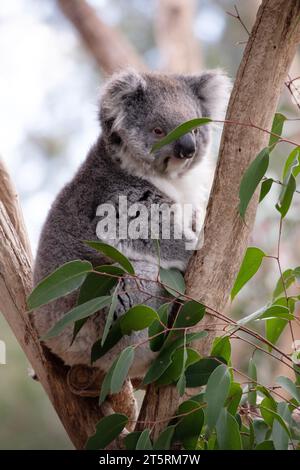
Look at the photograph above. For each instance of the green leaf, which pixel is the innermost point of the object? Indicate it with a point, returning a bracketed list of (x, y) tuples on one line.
[(286, 195), (107, 430), (110, 315), (144, 442), (158, 327), (173, 281), (251, 179), (268, 403), (297, 273), (62, 281), (113, 337), (121, 369), (164, 440), (222, 348), (288, 277), (189, 427), (234, 398), (274, 328), (216, 392), (189, 315), (164, 359), (97, 285), (252, 373), (181, 384), (112, 253), (280, 430), (228, 433), (290, 387), (250, 265), (260, 430), (276, 311), (292, 164), (277, 127), (78, 313), (131, 440), (105, 386), (179, 131), (137, 318), (265, 445), (266, 186), (198, 374), (173, 372)]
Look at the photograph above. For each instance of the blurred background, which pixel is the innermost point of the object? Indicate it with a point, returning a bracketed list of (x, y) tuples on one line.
[(50, 80)]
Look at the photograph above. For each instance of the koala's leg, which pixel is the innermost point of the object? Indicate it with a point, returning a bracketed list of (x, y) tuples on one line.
[(86, 381)]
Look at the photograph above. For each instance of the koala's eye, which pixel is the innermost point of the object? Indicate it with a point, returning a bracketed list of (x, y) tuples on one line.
[(158, 132), (195, 131)]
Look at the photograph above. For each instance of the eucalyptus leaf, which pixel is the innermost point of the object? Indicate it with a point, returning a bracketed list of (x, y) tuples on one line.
[(78, 313), (277, 127), (110, 315), (189, 426), (216, 392), (173, 281), (198, 373), (265, 188), (121, 369), (251, 179), (112, 253), (250, 265), (157, 340), (252, 373), (179, 131), (137, 318), (164, 440), (228, 433), (290, 387), (144, 441), (107, 429), (59, 283)]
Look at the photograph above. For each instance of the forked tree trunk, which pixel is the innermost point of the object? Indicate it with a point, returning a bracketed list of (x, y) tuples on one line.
[(78, 415), (111, 50), (179, 48), (212, 270)]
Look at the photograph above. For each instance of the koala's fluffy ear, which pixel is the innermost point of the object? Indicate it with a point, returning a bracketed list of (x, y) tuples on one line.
[(118, 88), (212, 88)]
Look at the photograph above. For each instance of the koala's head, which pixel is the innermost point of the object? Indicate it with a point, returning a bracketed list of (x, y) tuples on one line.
[(139, 109)]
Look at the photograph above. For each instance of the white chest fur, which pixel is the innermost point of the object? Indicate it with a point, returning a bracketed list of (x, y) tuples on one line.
[(192, 188)]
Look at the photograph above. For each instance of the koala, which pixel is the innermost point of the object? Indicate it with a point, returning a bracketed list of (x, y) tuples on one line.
[(136, 111)]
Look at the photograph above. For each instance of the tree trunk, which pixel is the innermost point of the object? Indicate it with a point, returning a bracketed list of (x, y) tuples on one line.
[(78, 415), (212, 270), (109, 47), (179, 49)]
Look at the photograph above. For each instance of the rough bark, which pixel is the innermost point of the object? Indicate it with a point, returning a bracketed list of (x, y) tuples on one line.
[(9, 197), (78, 415), (212, 270), (109, 47), (179, 49)]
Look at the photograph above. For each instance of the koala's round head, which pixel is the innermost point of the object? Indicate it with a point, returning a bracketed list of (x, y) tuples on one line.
[(137, 109)]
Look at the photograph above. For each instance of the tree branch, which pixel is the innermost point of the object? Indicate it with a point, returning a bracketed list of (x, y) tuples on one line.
[(109, 47), (212, 270), (180, 51)]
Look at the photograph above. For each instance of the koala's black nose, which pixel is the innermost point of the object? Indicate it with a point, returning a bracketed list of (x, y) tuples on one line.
[(185, 146)]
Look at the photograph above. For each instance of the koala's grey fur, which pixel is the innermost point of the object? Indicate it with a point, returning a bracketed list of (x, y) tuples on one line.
[(120, 163)]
